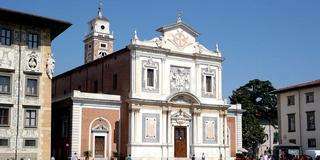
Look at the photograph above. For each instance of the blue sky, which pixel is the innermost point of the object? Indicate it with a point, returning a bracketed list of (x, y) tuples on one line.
[(276, 40)]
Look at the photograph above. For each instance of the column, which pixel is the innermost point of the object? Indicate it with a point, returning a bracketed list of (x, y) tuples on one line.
[(196, 114), (169, 133), (169, 129), (164, 132), (199, 131), (136, 115), (132, 126)]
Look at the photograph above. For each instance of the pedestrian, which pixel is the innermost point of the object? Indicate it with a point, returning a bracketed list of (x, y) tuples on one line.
[(203, 157), (75, 156), (193, 157), (265, 156), (129, 157)]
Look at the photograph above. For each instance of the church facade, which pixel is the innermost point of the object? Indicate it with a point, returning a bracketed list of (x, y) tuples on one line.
[(153, 99)]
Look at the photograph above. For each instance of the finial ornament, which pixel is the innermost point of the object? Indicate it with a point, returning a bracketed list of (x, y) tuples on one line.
[(179, 16), (217, 48), (135, 37), (100, 10)]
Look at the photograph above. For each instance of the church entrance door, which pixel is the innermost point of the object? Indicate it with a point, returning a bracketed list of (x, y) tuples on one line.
[(99, 146), (180, 141)]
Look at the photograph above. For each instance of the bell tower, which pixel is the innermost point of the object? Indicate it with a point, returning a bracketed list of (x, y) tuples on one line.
[(99, 40)]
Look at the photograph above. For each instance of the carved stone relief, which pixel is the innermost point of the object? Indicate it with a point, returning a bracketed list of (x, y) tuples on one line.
[(150, 64), (179, 39), (209, 71), (181, 118), (50, 66), (179, 79), (33, 62)]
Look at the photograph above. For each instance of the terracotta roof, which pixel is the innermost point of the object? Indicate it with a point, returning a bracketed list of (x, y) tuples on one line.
[(299, 86), (56, 26)]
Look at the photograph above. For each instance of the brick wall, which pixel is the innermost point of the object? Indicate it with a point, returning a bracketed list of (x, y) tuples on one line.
[(233, 141), (97, 76), (89, 115)]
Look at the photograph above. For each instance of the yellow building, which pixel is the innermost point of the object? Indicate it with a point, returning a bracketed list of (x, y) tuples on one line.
[(26, 68)]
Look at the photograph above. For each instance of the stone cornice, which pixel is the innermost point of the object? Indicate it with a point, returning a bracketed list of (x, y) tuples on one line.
[(165, 103), (169, 52)]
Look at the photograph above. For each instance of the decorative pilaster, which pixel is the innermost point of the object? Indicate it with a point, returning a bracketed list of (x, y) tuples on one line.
[(223, 114), (134, 111), (196, 114)]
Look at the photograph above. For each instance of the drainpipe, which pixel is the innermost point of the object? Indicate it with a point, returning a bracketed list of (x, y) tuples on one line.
[(18, 100)]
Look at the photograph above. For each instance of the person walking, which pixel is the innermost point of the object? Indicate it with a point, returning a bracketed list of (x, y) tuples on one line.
[(75, 156)]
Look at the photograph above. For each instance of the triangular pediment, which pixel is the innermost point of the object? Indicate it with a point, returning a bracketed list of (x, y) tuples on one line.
[(181, 115), (178, 37), (181, 118), (100, 128), (181, 25)]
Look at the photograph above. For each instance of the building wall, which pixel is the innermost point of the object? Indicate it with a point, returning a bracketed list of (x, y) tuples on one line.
[(301, 134), (165, 64), (163, 144), (101, 72), (10, 66), (270, 142), (232, 135), (89, 115)]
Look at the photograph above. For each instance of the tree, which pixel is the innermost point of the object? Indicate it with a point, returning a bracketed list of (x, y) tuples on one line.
[(259, 103)]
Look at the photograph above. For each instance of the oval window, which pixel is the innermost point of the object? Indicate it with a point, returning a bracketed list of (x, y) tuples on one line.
[(102, 27)]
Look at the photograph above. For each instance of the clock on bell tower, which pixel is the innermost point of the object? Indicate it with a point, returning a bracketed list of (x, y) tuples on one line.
[(99, 41)]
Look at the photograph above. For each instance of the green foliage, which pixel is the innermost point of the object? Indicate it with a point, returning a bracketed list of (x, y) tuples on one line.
[(252, 133), (87, 154), (259, 103)]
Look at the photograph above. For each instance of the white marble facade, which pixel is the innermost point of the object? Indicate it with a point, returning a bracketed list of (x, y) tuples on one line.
[(176, 97)]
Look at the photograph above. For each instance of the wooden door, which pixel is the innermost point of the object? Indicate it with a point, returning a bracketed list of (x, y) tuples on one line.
[(99, 146), (180, 142)]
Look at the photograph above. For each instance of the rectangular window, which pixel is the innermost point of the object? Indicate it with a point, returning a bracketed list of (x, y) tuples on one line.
[(30, 143), (293, 141), (291, 123), (312, 143), (32, 87), (30, 118), (150, 77), (4, 142), (290, 100), (310, 97), (5, 37), (114, 81), (311, 126), (208, 83), (5, 85), (4, 116), (33, 41), (103, 45)]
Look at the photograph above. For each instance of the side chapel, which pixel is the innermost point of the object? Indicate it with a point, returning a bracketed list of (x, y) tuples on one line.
[(153, 99)]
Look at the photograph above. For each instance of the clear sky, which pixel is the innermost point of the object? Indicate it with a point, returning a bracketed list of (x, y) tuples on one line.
[(276, 40)]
